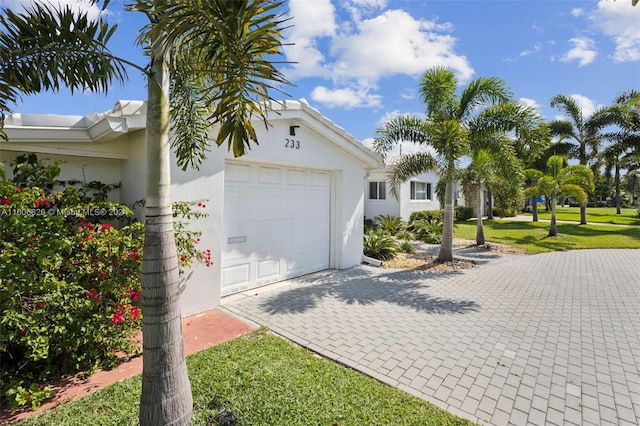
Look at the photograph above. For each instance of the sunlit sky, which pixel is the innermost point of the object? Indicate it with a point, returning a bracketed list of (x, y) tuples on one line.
[(359, 61)]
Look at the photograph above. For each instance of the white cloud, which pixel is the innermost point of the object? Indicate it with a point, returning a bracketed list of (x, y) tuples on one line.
[(347, 98), (93, 11), (587, 105), (583, 51), (577, 12), (355, 52), (536, 48), (530, 103), (396, 43), (620, 21)]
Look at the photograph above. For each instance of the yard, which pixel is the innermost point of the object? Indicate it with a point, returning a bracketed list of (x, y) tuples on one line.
[(262, 379)]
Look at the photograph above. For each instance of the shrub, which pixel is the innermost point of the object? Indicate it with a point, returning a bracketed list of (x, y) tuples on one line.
[(463, 213), (407, 247), (69, 279), (379, 246), (389, 224), (404, 235), (428, 231), (427, 215), (505, 212)]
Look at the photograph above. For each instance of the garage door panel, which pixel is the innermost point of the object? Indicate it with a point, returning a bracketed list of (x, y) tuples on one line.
[(283, 213)]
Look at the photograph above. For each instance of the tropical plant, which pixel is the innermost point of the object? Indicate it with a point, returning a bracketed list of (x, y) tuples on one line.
[(624, 148), (428, 231), (390, 224), (582, 137), (380, 246), (455, 125), (407, 247), (561, 180), (209, 62), (426, 215)]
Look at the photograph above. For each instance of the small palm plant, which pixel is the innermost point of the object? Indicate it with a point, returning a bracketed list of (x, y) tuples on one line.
[(428, 231), (389, 224), (379, 246)]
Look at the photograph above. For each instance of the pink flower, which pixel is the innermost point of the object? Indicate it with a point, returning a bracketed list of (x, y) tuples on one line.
[(18, 190), (102, 273), (89, 238), (118, 317), (134, 295), (135, 313), (106, 226), (4, 201)]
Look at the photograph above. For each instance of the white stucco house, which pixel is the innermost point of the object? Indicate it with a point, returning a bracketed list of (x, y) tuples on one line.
[(293, 205)]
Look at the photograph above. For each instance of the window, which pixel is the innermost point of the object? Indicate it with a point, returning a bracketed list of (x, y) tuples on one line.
[(377, 190), (420, 191)]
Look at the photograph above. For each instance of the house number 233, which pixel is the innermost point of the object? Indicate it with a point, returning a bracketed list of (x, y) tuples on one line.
[(290, 143)]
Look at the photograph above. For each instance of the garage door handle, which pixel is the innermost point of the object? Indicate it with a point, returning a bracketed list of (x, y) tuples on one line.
[(237, 240)]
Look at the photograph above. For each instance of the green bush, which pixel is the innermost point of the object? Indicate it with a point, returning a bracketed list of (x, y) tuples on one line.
[(427, 215), (428, 231), (407, 247), (389, 224), (380, 246), (405, 234), (69, 279), (505, 212), (463, 213)]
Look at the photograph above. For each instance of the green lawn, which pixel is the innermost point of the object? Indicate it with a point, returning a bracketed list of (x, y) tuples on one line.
[(594, 215), (532, 236), (264, 380)]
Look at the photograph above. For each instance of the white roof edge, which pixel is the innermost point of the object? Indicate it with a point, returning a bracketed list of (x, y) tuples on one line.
[(125, 116)]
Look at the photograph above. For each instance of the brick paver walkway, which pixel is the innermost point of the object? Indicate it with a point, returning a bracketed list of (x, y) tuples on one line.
[(550, 339)]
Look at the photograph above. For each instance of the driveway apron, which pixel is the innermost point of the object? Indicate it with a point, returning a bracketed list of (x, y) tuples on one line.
[(549, 339)]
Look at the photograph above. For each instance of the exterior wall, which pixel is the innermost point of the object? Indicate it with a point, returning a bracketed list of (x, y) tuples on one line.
[(108, 171), (372, 208), (404, 206), (408, 206)]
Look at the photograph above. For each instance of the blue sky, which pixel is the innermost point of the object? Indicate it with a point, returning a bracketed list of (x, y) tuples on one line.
[(359, 61)]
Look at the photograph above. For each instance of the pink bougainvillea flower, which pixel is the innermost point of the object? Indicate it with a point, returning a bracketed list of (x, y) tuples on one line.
[(89, 238), (18, 190), (106, 226), (135, 313), (118, 317), (102, 273), (134, 295), (4, 201)]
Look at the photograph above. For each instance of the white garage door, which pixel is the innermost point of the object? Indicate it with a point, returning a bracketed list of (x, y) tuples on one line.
[(276, 224)]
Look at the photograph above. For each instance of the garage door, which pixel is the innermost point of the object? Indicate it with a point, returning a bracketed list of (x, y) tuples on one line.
[(276, 224)]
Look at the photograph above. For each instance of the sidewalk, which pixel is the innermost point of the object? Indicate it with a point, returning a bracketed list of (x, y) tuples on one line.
[(200, 332)]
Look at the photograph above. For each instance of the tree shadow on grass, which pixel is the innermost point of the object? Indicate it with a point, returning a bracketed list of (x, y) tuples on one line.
[(362, 286)]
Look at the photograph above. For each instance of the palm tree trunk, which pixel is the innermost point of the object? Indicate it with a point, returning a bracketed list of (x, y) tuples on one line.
[(166, 393), (583, 213), (479, 227), (553, 230), (617, 179), (489, 205), (534, 208), (446, 246)]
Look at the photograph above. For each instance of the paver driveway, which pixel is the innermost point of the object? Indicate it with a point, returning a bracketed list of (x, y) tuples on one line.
[(546, 339)]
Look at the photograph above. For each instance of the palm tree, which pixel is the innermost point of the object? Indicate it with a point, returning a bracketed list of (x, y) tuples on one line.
[(624, 139), (583, 133), (561, 180), (211, 59), (454, 125)]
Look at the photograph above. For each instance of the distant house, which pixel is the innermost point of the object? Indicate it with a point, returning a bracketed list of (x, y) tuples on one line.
[(293, 205), (418, 193)]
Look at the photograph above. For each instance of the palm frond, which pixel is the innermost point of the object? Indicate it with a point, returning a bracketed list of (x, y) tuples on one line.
[(437, 89), (400, 129), (407, 166), (569, 106), (481, 91)]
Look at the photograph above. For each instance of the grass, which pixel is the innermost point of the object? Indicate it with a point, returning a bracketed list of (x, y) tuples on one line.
[(263, 379), (532, 236), (594, 215)]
